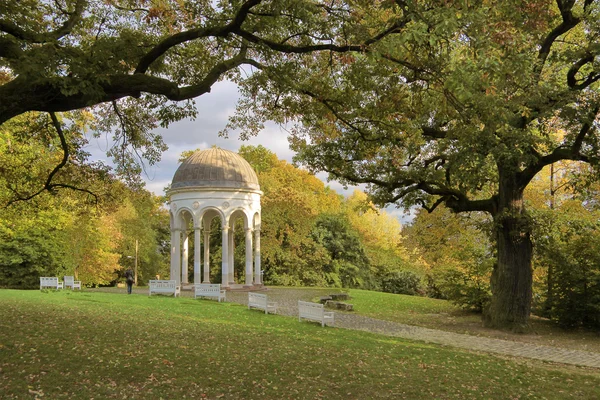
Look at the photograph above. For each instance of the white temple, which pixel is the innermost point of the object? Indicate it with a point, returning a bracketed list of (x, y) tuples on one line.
[(214, 183)]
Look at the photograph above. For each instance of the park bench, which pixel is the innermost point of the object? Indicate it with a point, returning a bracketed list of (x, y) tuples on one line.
[(72, 283), (50, 282), (260, 301), (314, 312), (163, 287), (209, 290)]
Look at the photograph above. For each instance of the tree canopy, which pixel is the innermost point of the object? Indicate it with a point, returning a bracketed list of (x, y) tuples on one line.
[(135, 65), (462, 106)]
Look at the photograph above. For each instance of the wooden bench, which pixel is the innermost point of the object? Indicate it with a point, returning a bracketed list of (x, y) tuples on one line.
[(260, 301), (50, 282), (209, 290), (314, 312), (72, 283), (163, 287)]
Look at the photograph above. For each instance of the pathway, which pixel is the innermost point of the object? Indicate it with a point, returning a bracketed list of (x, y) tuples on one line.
[(287, 301)]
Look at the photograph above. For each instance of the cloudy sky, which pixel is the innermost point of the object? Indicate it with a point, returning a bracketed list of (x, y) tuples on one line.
[(214, 109)]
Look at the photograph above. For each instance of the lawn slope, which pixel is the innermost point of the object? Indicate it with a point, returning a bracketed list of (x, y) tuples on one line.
[(86, 345)]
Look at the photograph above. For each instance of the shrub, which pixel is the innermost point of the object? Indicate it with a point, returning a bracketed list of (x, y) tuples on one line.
[(401, 282), (467, 287)]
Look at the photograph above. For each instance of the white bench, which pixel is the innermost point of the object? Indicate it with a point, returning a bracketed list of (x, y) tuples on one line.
[(314, 312), (50, 282), (260, 301), (72, 283), (163, 287), (209, 290)]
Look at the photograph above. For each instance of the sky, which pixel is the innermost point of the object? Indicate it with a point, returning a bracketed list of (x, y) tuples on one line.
[(214, 109)]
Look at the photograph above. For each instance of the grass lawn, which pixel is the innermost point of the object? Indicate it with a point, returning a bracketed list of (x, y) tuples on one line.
[(441, 314), (88, 345)]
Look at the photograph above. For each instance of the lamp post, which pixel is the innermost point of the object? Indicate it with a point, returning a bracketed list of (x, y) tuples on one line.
[(135, 264)]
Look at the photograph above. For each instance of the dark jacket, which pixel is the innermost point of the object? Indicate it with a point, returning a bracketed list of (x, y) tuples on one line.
[(129, 276)]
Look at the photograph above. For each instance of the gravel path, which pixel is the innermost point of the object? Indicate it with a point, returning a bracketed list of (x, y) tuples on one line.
[(287, 304)]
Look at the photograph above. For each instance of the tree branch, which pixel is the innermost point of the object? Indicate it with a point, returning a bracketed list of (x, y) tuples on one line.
[(44, 37), (591, 78), (562, 153), (568, 23), (47, 96), (193, 34), (48, 185)]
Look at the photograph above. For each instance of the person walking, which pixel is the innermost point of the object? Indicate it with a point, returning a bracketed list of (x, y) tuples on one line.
[(129, 279)]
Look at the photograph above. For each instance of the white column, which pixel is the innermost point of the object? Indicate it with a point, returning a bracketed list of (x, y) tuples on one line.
[(225, 257), (248, 256), (184, 259), (257, 271), (206, 256), (175, 254), (231, 254), (197, 260)]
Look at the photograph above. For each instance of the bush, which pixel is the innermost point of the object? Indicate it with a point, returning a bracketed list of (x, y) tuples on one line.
[(467, 287), (401, 282)]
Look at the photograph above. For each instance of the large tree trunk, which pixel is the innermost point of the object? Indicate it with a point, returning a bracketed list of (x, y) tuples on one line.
[(512, 276)]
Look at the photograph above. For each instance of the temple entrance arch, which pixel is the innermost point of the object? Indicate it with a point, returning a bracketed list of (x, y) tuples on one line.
[(215, 184)]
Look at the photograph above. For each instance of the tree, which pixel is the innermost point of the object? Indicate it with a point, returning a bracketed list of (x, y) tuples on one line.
[(460, 106), (134, 65), (348, 265)]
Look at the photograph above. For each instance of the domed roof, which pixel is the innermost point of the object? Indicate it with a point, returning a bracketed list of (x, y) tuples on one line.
[(215, 168)]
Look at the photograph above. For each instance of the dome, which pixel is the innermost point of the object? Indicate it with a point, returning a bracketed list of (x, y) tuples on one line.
[(215, 168)]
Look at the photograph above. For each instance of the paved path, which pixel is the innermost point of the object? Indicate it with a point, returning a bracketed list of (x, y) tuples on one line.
[(287, 300)]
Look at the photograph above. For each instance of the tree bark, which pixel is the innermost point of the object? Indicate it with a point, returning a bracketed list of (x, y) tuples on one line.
[(512, 277)]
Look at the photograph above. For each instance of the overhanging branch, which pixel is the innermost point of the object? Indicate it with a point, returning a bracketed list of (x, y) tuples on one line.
[(49, 185)]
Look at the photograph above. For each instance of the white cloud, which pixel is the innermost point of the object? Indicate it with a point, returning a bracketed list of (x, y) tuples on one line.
[(214, 109)]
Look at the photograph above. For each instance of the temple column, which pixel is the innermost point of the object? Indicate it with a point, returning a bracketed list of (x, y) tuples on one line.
[(197, 260), (184, 259), (175, 254), (206, 278), (257, 271), (225, 257), (231, 255), (248, 256)]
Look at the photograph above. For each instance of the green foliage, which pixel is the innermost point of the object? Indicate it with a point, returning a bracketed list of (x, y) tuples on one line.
[(32, 244), (457, 254), (349, 265), (63, 232), (401, 282), (568, 246), (305, 238), (468, 287)]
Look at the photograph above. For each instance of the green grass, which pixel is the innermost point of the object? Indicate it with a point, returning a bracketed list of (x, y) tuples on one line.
[(87, 345), (443, 315)]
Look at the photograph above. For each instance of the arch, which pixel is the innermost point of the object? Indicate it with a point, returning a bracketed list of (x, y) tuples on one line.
[(211, 213), (183, 210), (239, 213)]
